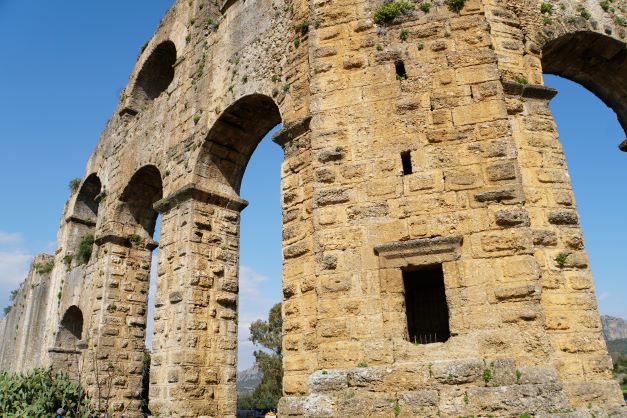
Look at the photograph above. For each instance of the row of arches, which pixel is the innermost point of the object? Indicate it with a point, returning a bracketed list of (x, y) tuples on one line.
[(222, 159)]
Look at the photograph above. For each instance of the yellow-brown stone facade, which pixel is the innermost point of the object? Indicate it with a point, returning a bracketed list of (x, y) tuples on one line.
[(422, 146)]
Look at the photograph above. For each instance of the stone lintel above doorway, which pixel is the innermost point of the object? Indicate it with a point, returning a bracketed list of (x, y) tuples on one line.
[(421, 251)]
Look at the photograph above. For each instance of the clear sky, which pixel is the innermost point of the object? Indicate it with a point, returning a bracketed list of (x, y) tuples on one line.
[(63, 66)]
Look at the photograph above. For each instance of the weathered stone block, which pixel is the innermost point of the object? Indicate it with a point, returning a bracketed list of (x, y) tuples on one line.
[(455, 372), (328, 381)]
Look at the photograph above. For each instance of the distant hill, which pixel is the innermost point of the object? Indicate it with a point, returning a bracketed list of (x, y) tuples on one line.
[(248, 380), (613, 328), (617, 347)]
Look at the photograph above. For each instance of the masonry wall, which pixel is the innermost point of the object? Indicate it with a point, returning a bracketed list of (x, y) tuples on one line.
[(22, 330), (487, 197)]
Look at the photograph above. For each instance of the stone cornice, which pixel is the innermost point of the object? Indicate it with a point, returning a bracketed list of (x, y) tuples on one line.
[(191, 191), (292, 131), (529, 91)]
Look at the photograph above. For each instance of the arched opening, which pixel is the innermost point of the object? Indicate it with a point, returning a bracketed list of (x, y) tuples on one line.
[(155, 76), (597, 62), (86, 207), (144, 189), (141, 193), (233, 139), (225, 156), (585, 63), (71, 329)]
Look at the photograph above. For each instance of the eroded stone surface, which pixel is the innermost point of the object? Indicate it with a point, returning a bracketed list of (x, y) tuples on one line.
[(439, 150)]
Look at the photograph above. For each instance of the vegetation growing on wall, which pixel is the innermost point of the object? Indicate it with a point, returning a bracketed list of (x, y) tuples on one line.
[(44, 268), (390, 11), (74, 185), (85, 248)]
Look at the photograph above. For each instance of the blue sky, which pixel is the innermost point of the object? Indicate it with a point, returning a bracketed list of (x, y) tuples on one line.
[(63, 66)]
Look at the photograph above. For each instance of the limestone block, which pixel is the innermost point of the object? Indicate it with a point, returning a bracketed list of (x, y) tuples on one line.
[(480, 112), (327, 381), (457, 371)]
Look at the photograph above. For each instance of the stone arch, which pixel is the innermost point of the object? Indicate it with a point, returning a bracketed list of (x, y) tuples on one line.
[(70, 329), (87, 200), (232, 140), (143, 190), (155, 76), (596, 61)]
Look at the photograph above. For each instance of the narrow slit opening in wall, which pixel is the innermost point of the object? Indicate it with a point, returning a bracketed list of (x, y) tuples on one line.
[(401, 74), (425, 305), (406, 160)]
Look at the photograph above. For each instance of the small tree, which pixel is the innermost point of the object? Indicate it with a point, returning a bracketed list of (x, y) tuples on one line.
[(267, 334)]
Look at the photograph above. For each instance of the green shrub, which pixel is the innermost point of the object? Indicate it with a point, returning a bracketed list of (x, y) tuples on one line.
[(303, 27), (40, 393), (135, 238), (425, 6), (546, 8), (455, 5), (605, 5), (487, 375), (403, 35), (44, 268), (390, 11), (74, 185), (521, 79), (561, 259), (85, 248), (583, 12), (6, 310)]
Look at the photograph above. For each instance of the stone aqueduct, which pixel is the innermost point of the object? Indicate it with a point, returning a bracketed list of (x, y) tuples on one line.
[(427, 169)]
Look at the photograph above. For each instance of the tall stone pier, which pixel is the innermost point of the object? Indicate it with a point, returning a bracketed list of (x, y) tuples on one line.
[(433, 261)]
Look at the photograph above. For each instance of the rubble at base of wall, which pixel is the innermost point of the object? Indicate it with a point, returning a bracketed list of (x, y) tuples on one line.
[(452, 388)]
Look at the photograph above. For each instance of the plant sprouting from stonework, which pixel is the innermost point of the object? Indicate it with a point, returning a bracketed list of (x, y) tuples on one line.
[(521, 79), (425, 6), (85, 248), (518, 376), (487, 375), (303, 27), (135, 238), (455, 5), (403, 35), (605, 5), (74, 185), (396, 408), (561, 259), (583, 12), (390, 11), (546, 8), (362, 364), (44, 268)]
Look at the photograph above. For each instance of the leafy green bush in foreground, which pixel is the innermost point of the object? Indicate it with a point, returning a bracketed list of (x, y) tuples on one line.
[(40, 393)]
